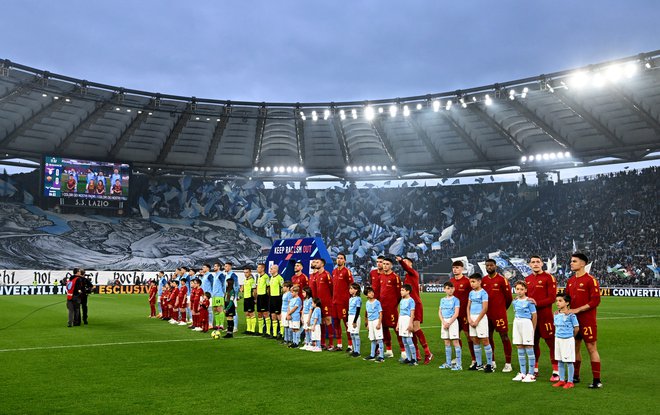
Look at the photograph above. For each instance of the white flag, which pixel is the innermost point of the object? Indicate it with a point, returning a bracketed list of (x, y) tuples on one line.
[(552, 265), (446, 233)]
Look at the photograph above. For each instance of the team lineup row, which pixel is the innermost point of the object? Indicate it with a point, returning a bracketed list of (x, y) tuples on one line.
[(313, 307)]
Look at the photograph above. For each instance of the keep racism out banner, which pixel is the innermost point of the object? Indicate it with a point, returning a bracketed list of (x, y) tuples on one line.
[(48, 277), (60, 290), (604, 291)]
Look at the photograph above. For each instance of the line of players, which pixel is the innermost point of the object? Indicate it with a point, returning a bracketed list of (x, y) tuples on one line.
[(335, 297), (482, 310)]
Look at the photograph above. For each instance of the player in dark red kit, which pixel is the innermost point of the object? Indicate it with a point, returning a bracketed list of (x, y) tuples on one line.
[(542, 290), (324, 293), (585, 298), (298, 277), (342, 278), (390, 296), (412, 278), (153, 291), (172, 302), (374, 276), (182, 302), (204, 313), (462, 290), (499, 299), (196, 294)]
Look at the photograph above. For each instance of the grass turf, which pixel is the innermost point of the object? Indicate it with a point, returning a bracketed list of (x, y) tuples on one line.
[(123, 362)]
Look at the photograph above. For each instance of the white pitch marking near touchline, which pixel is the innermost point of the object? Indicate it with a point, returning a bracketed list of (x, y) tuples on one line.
[(70, 346)]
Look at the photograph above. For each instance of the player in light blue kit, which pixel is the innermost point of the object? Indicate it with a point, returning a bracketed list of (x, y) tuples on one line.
[(308, 305), (284, 310), (524, 324), (448, 313), (477, 307), (566, 328), (374, 314), (207, 286), (293, 315), (404, 326), (315, 325), (354, 308), (162, 282)]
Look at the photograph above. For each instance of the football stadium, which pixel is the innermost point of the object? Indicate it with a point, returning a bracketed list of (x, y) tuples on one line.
[(417, 246)]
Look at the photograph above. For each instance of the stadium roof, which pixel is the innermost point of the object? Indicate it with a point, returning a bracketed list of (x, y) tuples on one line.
[(602, 113)]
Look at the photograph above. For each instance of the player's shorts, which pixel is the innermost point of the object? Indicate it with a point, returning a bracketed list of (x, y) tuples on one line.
[(230, 311), (305, 320), (419, 312), (183, 304), (588, 330), (340, 311), (499, 323), (294, 324), (218, 301), (375, 334), (523, 332), (285, 322), (248, 305), (565, 350), (275, 304), (349, 324), (451, 333), (404, 321), (262, 303), (545, 325), (481, 331), (316, 333), (327, 309), (390, 317)]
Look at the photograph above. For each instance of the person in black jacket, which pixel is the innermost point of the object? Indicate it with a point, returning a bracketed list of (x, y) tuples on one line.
[(87, 290), (74, 288)]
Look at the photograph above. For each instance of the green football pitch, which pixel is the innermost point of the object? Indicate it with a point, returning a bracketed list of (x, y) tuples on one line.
[(123, 362)]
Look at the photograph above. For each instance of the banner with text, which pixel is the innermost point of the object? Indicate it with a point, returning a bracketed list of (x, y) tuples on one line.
[(48, 277)]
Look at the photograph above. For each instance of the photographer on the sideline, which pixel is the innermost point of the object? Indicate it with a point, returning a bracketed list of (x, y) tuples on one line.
[(86, 291)]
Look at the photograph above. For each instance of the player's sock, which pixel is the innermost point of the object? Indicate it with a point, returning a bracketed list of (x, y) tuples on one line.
[(477, 353), (381, 351), (448, 355), (595, 370), (459, 353), (562, 367), (471, 347), (532, 361), (330, 335), (506, 345), (569, 376), (491, 341), (269, 325), (278, 328), (551, 345), (537, 354), (230, 326), (578, 363), (323, 334), (412, 341), (400, 341), (489, 354), (183, 316), (337, 326), (422, 340), (522, 359), (387, 338), (413, 350), (373, 348), (349, 339), (356, 343)]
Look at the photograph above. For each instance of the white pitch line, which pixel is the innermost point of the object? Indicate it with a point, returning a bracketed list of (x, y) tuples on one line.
[(629, 317), (70, 346)]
